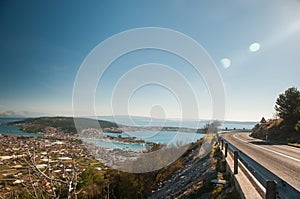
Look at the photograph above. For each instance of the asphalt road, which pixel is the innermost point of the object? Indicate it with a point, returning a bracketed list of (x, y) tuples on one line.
[(282, 160)]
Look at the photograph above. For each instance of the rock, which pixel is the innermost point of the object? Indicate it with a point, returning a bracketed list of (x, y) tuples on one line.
[(216, 181), (188, 181)]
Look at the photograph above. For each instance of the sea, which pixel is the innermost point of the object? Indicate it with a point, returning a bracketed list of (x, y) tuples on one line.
[(188, 123), (161, 137), (170, 138), (13, 130)]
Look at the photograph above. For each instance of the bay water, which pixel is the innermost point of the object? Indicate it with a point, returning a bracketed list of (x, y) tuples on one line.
[(161, 137), (13, 130)]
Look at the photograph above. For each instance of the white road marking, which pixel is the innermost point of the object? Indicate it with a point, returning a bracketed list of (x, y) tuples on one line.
[(240, 139), (278, 153)]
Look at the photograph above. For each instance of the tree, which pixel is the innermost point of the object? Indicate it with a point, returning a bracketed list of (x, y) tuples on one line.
[(92, 184), (288, 105), (212, 127)]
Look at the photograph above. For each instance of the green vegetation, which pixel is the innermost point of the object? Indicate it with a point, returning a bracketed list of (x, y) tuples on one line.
[(288, 105), (288, 109), (91, 183)]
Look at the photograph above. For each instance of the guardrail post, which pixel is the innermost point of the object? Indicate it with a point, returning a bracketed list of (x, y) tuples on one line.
[(271, 189), (235, 163), (222, 143), (226, 148)]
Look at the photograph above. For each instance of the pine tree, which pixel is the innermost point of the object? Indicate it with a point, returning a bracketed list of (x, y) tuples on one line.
[(288, 105)]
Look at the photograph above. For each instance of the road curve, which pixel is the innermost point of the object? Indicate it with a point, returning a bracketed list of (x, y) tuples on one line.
[(282, 160)]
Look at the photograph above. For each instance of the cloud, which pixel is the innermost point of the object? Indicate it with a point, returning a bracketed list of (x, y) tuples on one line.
[(11, 113)]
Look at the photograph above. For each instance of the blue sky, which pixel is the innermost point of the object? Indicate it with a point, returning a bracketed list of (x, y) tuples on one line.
[(43, 44)]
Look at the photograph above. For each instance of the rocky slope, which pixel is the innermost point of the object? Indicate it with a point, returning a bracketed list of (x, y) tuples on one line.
[(198, 178)]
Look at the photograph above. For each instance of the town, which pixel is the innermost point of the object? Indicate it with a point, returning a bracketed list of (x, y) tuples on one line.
[(33, 162)]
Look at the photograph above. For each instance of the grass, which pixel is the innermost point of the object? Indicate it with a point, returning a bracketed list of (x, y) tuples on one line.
[(294, 144), (274, 123), (3, 168), (217, 191)]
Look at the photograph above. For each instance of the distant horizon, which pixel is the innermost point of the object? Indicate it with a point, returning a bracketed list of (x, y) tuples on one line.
[(126, 116)]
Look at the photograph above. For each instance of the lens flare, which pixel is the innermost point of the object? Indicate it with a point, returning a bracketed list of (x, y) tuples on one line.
[(254, 47), (226, 62)]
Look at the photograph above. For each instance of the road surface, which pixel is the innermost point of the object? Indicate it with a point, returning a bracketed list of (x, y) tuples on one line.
[(282, 160)]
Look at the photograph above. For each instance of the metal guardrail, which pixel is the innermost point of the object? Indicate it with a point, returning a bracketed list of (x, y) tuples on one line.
[(266, 178)]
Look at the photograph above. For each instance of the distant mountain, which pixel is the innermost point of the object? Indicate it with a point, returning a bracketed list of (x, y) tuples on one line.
[(187, 123)]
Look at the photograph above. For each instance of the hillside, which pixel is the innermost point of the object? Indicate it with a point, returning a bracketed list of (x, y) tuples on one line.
[(67, 125), (64, 124), (195, 177), (276, 130)]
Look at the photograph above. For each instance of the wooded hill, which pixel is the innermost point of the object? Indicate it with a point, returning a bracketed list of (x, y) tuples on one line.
[(66, 124)]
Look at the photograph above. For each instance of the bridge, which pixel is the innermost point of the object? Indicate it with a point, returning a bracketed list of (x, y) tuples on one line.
[(262, 169)]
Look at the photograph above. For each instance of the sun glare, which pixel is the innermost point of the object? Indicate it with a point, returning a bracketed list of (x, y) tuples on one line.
[(226, 62), (254, 47)]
